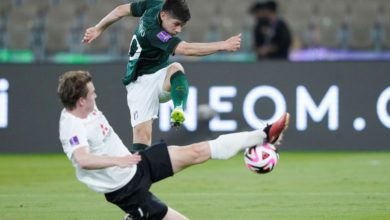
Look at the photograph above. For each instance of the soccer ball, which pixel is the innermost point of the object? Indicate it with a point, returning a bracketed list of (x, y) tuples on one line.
[(261, 158)]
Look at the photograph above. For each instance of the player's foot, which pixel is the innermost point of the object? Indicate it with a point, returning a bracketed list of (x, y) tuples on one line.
[(177, 117), (275, 131)]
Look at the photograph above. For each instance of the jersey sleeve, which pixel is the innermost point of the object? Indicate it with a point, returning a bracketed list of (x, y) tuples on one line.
[(73, 135), (163, 40), (138, 8)]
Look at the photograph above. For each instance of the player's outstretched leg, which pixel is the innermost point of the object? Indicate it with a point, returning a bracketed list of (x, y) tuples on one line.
[(275, 131), (222, 148), (179, 94), (225, 146), (228, 145)]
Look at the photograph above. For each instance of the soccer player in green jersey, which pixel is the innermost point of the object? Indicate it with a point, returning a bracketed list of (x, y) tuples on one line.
[(150, 78)]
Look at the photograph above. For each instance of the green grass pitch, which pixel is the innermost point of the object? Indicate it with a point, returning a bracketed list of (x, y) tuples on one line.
[(303, 186)]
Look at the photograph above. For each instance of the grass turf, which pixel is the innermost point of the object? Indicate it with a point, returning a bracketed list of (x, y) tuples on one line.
[(303, 186)]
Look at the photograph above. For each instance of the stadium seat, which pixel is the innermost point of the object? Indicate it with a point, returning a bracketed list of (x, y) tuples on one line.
[(20, 22), (93, 14), (40, 4), (362, 19), (298, 28), (386, 22), (77, 4), (328, 10), (295, 9), (203, 16), (299, 14), (331, 17), (212, 20), (387, 37), (5, 5), (58, 35), (360, 37), (235, 18), (365, 8), (384, 11), (311, 36), (329, 36)]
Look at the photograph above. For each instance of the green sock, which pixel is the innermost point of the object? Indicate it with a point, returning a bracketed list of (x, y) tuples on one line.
[(179, 89), (138, 147)]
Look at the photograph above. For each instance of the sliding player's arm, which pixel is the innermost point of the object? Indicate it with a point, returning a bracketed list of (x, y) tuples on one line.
[(94, 32), (89, 161), (202, 49)]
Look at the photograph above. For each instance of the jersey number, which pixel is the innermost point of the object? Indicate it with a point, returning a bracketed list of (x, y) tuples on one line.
[(135, 49)]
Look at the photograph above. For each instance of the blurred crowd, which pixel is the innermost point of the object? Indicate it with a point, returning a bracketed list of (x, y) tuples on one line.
[(270, 29)]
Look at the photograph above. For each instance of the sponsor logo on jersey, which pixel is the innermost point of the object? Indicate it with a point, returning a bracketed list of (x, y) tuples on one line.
[(164, 36), (74, 141)]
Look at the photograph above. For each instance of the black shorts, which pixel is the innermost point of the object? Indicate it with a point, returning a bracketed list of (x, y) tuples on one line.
[(134, 198)]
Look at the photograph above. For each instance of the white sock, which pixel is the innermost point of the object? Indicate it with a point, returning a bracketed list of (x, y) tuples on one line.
[(228, 145)]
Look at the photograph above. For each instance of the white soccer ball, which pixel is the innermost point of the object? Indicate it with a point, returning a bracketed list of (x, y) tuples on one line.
[(261, 158)]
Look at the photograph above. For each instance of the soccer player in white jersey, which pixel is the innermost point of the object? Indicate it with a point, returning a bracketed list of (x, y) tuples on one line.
[(105, 165)]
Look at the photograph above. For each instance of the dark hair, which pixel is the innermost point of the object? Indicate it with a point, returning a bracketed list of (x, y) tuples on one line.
[(177, 9), (270, 5), (72, 85)]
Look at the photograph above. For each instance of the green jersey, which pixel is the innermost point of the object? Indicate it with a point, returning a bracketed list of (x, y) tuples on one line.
[(150, 46)]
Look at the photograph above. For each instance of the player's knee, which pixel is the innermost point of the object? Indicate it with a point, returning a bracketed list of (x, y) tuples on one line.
[(176, 67), (141, 136)]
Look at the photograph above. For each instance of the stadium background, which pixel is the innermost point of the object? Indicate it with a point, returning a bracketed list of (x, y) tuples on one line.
[(42, 34), (337, 78), (50, 30)]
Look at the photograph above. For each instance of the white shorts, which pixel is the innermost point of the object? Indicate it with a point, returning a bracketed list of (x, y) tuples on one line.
[(145, 95)]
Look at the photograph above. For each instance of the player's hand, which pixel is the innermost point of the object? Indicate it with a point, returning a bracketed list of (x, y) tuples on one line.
[(91, 34), (129, 160), (233, 44)]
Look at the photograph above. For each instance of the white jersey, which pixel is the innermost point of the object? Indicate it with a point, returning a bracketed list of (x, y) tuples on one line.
[(95, 133)]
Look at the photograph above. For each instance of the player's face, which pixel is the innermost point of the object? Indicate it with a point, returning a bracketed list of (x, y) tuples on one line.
[(89, 101), (171, 25)]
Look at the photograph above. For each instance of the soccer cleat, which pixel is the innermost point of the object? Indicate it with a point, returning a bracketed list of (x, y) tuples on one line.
[(275, 131), (177, 117)]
